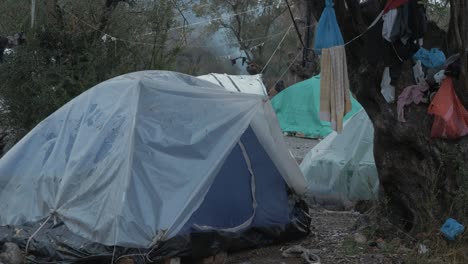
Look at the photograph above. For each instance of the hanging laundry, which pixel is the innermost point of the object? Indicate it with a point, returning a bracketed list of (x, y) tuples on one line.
[(411, 94), (432, 58), (398, 26), (404, 24), (335, 99), (393, 4), (451, 117), (407, 22), (406, 34), (328, 32), (389, 22)]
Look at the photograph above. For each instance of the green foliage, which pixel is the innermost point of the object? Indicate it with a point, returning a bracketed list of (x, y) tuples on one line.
[(66, 53), (439, 12)]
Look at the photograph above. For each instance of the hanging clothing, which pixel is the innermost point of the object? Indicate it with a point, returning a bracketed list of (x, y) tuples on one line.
[(401, 28), (335, 99), (388, 32), (393, 4), (411, 94), (451, 117), (328, 32)]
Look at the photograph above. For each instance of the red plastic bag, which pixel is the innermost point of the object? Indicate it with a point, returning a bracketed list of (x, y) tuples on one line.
[(451, 117)]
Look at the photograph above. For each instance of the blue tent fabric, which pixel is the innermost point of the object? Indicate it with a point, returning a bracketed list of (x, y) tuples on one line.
[(432, 58), (328, 32), (229, 201)]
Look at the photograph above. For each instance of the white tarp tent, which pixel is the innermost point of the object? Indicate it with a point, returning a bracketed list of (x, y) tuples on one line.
[(129, 161), (341, 168), (251, 84)]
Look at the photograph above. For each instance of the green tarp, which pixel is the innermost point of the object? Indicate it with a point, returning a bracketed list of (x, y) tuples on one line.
[(298, 107)]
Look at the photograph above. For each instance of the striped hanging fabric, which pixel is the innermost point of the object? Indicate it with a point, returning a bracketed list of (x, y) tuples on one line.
[(335, 99)]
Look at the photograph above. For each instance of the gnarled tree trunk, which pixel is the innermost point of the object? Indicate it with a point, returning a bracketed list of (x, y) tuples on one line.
[(423, 180)]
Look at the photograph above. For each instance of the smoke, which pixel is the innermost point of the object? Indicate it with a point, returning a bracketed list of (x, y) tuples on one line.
[(218, 45)]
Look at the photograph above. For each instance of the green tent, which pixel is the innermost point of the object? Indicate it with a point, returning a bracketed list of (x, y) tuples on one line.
[(298, 107)]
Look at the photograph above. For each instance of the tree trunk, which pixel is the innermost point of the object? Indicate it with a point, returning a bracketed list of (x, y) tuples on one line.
[(423, 180), (306, 65)]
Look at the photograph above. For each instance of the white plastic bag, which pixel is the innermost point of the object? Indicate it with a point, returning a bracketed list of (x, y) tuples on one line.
[(439, 76), (387, 90), (418, 72)]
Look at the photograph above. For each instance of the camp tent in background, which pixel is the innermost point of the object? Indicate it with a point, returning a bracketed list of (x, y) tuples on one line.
[(298, 107), (341, 168), (153, 157), (251, 84)]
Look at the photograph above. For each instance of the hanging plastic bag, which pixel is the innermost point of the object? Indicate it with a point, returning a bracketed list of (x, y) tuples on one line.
[(418, 73), (328, 32), (451, 117), (386, 89), (439, 76), (432, 58)]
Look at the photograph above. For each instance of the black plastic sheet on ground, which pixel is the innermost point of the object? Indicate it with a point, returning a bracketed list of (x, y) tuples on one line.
[(55, 243)]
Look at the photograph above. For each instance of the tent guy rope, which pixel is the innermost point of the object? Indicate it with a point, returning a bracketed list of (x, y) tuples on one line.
[(113, 38), (277, 48)]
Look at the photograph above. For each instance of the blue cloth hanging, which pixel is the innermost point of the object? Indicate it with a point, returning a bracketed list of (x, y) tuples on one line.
[(328, 32)]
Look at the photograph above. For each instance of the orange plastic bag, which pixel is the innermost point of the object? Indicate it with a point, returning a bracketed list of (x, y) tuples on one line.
[(451, 117)]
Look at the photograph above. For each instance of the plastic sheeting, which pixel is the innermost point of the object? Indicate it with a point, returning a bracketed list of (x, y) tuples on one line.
[(451, 117), (57, 244), (251, 84), (128, 162), (432, 58), (298, 107), (341, 168)]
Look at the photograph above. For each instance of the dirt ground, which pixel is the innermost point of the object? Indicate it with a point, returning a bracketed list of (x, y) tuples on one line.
[(331, 238), (299, 147)]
